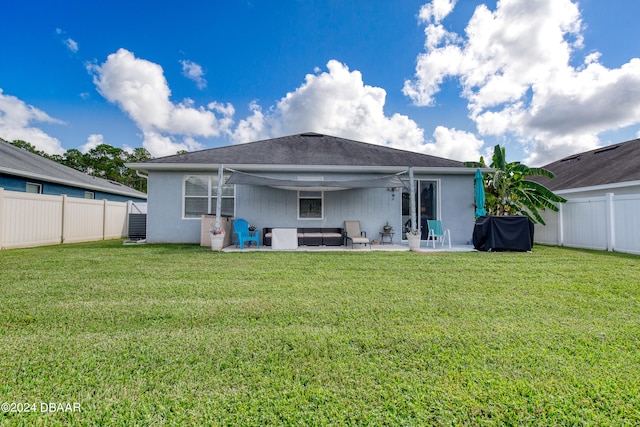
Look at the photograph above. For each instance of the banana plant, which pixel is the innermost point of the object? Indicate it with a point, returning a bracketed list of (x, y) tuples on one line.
[(508, 192)]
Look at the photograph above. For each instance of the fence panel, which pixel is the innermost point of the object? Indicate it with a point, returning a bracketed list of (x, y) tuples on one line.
[(115, 220), (605, 223), (548, 234), (626, 223), (83, 220), (585, 223), (28, 220)]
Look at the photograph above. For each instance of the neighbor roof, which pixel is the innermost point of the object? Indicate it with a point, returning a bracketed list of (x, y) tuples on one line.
[(18, 162), (606, 165), (310, 149)]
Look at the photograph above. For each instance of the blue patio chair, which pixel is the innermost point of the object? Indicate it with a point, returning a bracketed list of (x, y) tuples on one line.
[(437, 233), (241, 230)]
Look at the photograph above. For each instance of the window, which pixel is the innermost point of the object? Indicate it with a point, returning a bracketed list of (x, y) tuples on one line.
[(200, 195), (310, 204), (89, 195), (34, 188)]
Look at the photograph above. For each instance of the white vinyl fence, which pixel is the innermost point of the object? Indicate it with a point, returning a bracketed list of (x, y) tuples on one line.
[(608, 222), (28, 220)]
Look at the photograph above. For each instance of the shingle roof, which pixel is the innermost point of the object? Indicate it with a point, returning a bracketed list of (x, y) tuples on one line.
[(606, 165), (19, 162), (306, 149)]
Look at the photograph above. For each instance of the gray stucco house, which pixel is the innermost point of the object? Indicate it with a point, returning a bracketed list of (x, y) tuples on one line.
[(306, 180), (23, 171)]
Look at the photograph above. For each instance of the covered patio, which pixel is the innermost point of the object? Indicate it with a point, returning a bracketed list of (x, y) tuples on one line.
[(384, 248)]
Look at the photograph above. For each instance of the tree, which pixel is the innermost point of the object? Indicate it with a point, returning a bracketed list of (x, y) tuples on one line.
[(131, 178), (28, 147), (74, 158), (508, 192), (107, 162)]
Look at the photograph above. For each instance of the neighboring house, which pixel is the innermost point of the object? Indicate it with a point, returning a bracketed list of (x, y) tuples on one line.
[(602, 188), (611, 169), (21, 170), (306, 180)]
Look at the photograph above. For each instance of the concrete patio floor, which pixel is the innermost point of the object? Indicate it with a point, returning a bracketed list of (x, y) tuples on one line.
[(358, 248)]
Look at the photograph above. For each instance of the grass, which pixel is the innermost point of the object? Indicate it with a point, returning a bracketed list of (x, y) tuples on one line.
[(178, 335)]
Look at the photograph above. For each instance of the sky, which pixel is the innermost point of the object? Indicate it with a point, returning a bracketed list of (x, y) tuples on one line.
[(543, 78)]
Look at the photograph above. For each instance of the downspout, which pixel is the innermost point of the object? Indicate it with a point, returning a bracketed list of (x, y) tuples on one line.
[(141, 175)]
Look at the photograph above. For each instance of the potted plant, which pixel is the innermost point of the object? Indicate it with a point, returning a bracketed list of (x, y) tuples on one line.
[(413, 237), (387, 227), (217, 238)]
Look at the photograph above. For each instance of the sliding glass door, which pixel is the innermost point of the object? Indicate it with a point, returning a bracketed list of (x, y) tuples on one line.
[(426, 205)]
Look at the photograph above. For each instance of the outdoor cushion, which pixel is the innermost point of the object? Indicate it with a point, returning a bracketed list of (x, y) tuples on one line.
[(359, 239), (331, 235)]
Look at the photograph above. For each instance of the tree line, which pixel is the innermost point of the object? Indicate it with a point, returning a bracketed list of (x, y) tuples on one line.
[(103, 161)]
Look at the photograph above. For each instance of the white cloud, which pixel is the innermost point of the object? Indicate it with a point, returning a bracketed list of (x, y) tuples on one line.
[(165, 145), (514, 65), (454, 144), (335, 102), (338, 103), (72, 45), (194, 72), (140, 89), (436, 11), (253, 127), (92, 142), (16, 119)]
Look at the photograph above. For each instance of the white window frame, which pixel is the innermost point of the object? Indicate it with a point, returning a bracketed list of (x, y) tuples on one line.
[(212, 186), (320, 197), (89, 195), (33, 185)]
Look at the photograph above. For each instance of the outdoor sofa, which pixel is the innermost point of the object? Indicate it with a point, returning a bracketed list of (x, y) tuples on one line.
[(311, 236)]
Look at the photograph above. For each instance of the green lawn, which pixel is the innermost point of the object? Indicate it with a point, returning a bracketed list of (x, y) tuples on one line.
[(179, 335)]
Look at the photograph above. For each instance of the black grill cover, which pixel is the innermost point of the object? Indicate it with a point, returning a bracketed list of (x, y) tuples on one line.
[(503, 233)]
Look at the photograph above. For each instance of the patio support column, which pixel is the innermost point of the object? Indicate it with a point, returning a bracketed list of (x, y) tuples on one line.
[(412, 199), (219, 196)]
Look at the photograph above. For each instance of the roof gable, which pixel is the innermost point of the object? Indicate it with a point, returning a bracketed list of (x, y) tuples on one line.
[(18, 162), (306, 149), (606, 165)]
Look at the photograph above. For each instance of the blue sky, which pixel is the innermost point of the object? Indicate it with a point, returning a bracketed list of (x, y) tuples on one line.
[(545, 78)]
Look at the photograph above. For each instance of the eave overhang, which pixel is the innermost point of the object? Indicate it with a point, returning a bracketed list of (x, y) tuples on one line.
[(207, 167), (70, 183)]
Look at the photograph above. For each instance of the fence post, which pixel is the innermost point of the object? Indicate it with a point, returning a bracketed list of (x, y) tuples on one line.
[(126, 220), (2, 219), (560, 225), (611, 231), (64, 206), (104, 219)]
